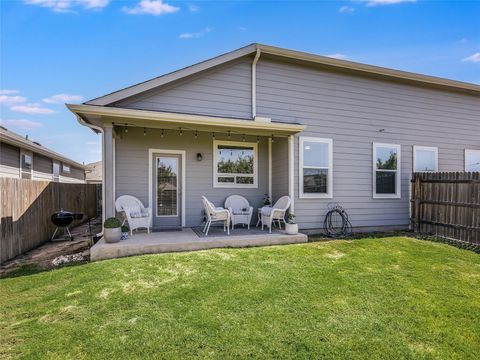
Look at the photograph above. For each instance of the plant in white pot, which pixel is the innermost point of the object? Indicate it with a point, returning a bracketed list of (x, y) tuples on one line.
[(112, 230), (291, 227), (125, 230)]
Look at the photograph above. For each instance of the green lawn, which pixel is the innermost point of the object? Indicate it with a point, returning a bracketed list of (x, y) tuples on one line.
[(386, 298)]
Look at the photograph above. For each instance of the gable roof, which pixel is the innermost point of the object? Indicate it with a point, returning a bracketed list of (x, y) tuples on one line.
[(296, 56), (15, 139)]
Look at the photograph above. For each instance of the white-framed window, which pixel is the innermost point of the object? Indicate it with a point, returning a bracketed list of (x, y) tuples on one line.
[(315, 167), (472, 160), (235, 164), (66, 168), (26, 165), (425, 159), (386, 171), (56, 171)]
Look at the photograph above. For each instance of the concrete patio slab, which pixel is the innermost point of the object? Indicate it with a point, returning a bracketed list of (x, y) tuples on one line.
[(186, 240)]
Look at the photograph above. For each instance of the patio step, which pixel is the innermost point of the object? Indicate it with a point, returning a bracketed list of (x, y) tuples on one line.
[(186, 240)]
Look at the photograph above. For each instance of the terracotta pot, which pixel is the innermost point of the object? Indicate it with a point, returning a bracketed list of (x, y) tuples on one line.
[(112, 235), (291, 229)]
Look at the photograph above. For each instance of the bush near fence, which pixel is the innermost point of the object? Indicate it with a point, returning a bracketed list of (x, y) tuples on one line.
[(447, 204), (26, 207)]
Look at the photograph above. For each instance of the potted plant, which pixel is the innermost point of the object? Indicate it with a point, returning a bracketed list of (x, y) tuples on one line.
[(266, 200), (125, 230), (112, 230), (291, 227)]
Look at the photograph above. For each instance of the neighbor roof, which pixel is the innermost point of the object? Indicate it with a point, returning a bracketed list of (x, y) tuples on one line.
[(281, 53), (12, 138)]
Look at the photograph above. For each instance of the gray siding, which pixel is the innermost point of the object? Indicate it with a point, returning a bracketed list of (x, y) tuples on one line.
[(223, 91), (42, 164), (131, 166), (279, 168), (353, 111), (9, 160)]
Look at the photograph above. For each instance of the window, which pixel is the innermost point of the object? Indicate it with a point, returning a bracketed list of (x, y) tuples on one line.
[(26, 165), (425, 159), (386, 171), (472, 160), (234, 164), (66, 168), (56, 171), (315, 170)]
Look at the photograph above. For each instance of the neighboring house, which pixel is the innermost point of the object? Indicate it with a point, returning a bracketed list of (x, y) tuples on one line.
[(93, 173), (26, 159), (265, 120)]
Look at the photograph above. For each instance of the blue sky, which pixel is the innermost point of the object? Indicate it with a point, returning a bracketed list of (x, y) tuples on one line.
[(56, 51)]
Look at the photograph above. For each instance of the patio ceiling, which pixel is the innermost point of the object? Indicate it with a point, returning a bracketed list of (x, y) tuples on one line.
[(98, 115)]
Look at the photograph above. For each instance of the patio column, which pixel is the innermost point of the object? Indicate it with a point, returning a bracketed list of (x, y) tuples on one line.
[(291, 167), (270, 168), (109, 171)]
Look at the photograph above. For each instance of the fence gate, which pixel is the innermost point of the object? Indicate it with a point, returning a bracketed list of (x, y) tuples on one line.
[(447, 204)]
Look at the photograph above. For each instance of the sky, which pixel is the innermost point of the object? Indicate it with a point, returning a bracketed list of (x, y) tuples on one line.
[(69, 51)]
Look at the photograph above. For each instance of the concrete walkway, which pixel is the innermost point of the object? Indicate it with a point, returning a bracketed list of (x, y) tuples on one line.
[(186, 240)]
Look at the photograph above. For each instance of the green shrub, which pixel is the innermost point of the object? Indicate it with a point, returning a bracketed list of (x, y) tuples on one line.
[(112, 223), (125, 228)]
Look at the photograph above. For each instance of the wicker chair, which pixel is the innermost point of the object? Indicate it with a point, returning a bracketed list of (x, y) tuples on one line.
[(276, 212), (134, 213), (240, 210), (215, 214)]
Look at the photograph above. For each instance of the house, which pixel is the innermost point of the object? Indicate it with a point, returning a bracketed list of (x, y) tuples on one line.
[(93, 173), (22, 158), (266, 120)]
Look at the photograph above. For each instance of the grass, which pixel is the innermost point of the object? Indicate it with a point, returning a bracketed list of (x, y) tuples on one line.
[(386, 298)]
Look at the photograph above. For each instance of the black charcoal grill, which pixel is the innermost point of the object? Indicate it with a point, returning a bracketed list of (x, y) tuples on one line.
[(63, 219)]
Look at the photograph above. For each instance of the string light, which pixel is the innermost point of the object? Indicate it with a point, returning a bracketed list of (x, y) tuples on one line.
[(228, 135), (273, 139), (162, 134), (258, 139), (144, 131), (243, 139), (213, 136), (181, 132), (126, 128), (196, 134)]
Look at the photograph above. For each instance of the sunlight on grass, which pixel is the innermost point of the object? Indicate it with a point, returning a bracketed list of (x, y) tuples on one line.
[(370, 298)]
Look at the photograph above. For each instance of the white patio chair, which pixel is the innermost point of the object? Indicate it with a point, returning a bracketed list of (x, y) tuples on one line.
[(276, 212), (240, 210), (215, 214), (134, 213)]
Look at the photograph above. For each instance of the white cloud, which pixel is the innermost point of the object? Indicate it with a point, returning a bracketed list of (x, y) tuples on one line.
[(62, 98), (193, 7), (346, 9), (152, 7), (63, 6), (462, 41), (8, 92), (473, 58), (10, 100), (21, 124), (195, 35), (385, 2), (33, 108), (337, 56)]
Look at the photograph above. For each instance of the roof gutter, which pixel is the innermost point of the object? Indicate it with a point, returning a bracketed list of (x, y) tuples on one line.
[(254, 83)]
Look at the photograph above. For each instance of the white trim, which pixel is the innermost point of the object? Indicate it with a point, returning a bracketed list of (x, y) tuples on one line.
[(291, 170), (114, 182), (270, 168), (468, 151), (329, 193), (424, 148), (398, 192), (150, 174), (216, 184), (156, 177)]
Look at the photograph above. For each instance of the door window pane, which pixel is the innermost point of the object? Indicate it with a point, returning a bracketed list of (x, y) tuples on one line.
[(167, 182)]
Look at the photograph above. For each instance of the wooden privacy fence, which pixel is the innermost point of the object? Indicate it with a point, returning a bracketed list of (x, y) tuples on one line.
[(26, 207), (447, 205)]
